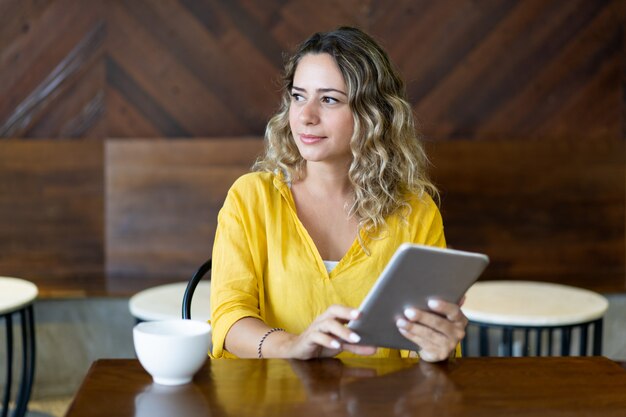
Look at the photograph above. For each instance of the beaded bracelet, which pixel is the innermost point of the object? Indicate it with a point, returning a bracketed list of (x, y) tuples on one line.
[(269, 332)]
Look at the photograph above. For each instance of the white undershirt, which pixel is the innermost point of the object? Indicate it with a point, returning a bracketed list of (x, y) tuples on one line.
[(330, 265)]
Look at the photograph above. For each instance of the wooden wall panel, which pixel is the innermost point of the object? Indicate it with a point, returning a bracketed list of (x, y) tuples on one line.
[(546, 211), (162, 200), (508, 69), (475, 70), (537, 220), (51, 72), (197, 69), (549, 76), (51, 206)]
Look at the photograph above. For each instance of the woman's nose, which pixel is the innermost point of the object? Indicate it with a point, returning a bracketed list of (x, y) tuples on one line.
[(309, 113)]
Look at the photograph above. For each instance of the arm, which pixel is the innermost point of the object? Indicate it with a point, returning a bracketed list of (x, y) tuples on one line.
[(325, 337), (235, 288)]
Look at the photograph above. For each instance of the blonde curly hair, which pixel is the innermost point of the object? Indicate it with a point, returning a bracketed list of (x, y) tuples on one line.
[(389, 162)]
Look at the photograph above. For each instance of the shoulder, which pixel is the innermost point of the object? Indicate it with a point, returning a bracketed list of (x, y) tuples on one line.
[(253, 184), (252, 197), (252, 181), (255, 188), (419, 221), (422, 205)]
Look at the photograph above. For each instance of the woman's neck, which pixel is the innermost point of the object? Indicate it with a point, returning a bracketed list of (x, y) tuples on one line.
[(324, 180)]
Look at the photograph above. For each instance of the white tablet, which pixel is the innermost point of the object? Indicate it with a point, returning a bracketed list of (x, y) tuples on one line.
[(414, 274)]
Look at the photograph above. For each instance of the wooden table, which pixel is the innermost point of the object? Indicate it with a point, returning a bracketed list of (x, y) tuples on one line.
[(557, 386)]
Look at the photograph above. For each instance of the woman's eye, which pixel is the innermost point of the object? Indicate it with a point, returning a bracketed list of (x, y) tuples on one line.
[(296, 97), (329, 100)]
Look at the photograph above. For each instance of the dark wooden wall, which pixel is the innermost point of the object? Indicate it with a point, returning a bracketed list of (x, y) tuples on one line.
[(523, 104)]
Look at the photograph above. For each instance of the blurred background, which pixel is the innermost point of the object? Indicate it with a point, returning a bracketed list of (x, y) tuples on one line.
[(123, 123)]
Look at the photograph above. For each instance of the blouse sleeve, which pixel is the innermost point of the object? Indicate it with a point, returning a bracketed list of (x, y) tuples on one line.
[(429, 225), (234, 283)]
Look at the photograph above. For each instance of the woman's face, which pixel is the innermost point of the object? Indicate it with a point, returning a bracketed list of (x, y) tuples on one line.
[(319, 115)]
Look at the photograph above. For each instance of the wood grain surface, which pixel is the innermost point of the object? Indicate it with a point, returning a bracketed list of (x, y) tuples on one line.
[(51, 211), (195, 68), (364, 387), (162, 200)]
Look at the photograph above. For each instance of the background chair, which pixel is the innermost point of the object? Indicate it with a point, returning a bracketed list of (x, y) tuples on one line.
[(525, 318), (16, 301), (191, 288)]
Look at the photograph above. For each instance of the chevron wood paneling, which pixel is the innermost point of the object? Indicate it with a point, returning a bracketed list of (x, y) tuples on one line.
[(475, 70), (509, 69), (51, 71), (202, 68)]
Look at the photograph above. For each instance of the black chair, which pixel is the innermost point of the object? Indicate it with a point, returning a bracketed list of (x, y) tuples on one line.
[(534, 340), (191, 288)]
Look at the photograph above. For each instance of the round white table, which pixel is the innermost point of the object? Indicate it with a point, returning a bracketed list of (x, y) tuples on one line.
[(528, 306), (164, 302), (16, 300)]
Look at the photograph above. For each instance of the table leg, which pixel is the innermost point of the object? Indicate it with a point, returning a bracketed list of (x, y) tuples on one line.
[(8, 320), (28, 361), (597, 338)]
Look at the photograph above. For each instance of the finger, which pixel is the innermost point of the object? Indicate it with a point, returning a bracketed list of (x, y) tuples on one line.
[(421, 335), (430, 339), (340, 312), (433, 348), (432, 320), (451, 311), (335, 328), (427, 325), (444, 308), (325, 340)]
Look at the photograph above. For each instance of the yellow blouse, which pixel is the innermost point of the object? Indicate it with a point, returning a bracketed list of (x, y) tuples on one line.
[(265, 264)]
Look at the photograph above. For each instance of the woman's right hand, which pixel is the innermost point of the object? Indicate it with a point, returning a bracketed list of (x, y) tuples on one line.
[(327, 336)]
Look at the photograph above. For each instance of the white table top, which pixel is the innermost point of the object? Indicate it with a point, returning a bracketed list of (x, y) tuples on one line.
[(15, 294), (527, 303), (164, 302)]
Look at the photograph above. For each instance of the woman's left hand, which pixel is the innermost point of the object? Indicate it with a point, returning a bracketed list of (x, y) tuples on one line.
[(436, 332)]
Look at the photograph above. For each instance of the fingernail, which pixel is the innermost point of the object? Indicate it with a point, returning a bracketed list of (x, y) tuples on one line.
[(433, 303), (410, 313), (354, 314), (335, 344), (401, 322), (355, 338)]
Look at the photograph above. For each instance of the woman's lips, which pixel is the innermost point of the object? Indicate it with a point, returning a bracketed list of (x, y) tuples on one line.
[(310, 139)]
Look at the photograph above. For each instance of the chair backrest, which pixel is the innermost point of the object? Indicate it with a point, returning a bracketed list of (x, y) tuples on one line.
[(191, 288)]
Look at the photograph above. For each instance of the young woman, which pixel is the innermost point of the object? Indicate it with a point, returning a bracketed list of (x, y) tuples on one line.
[(341, 185)]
